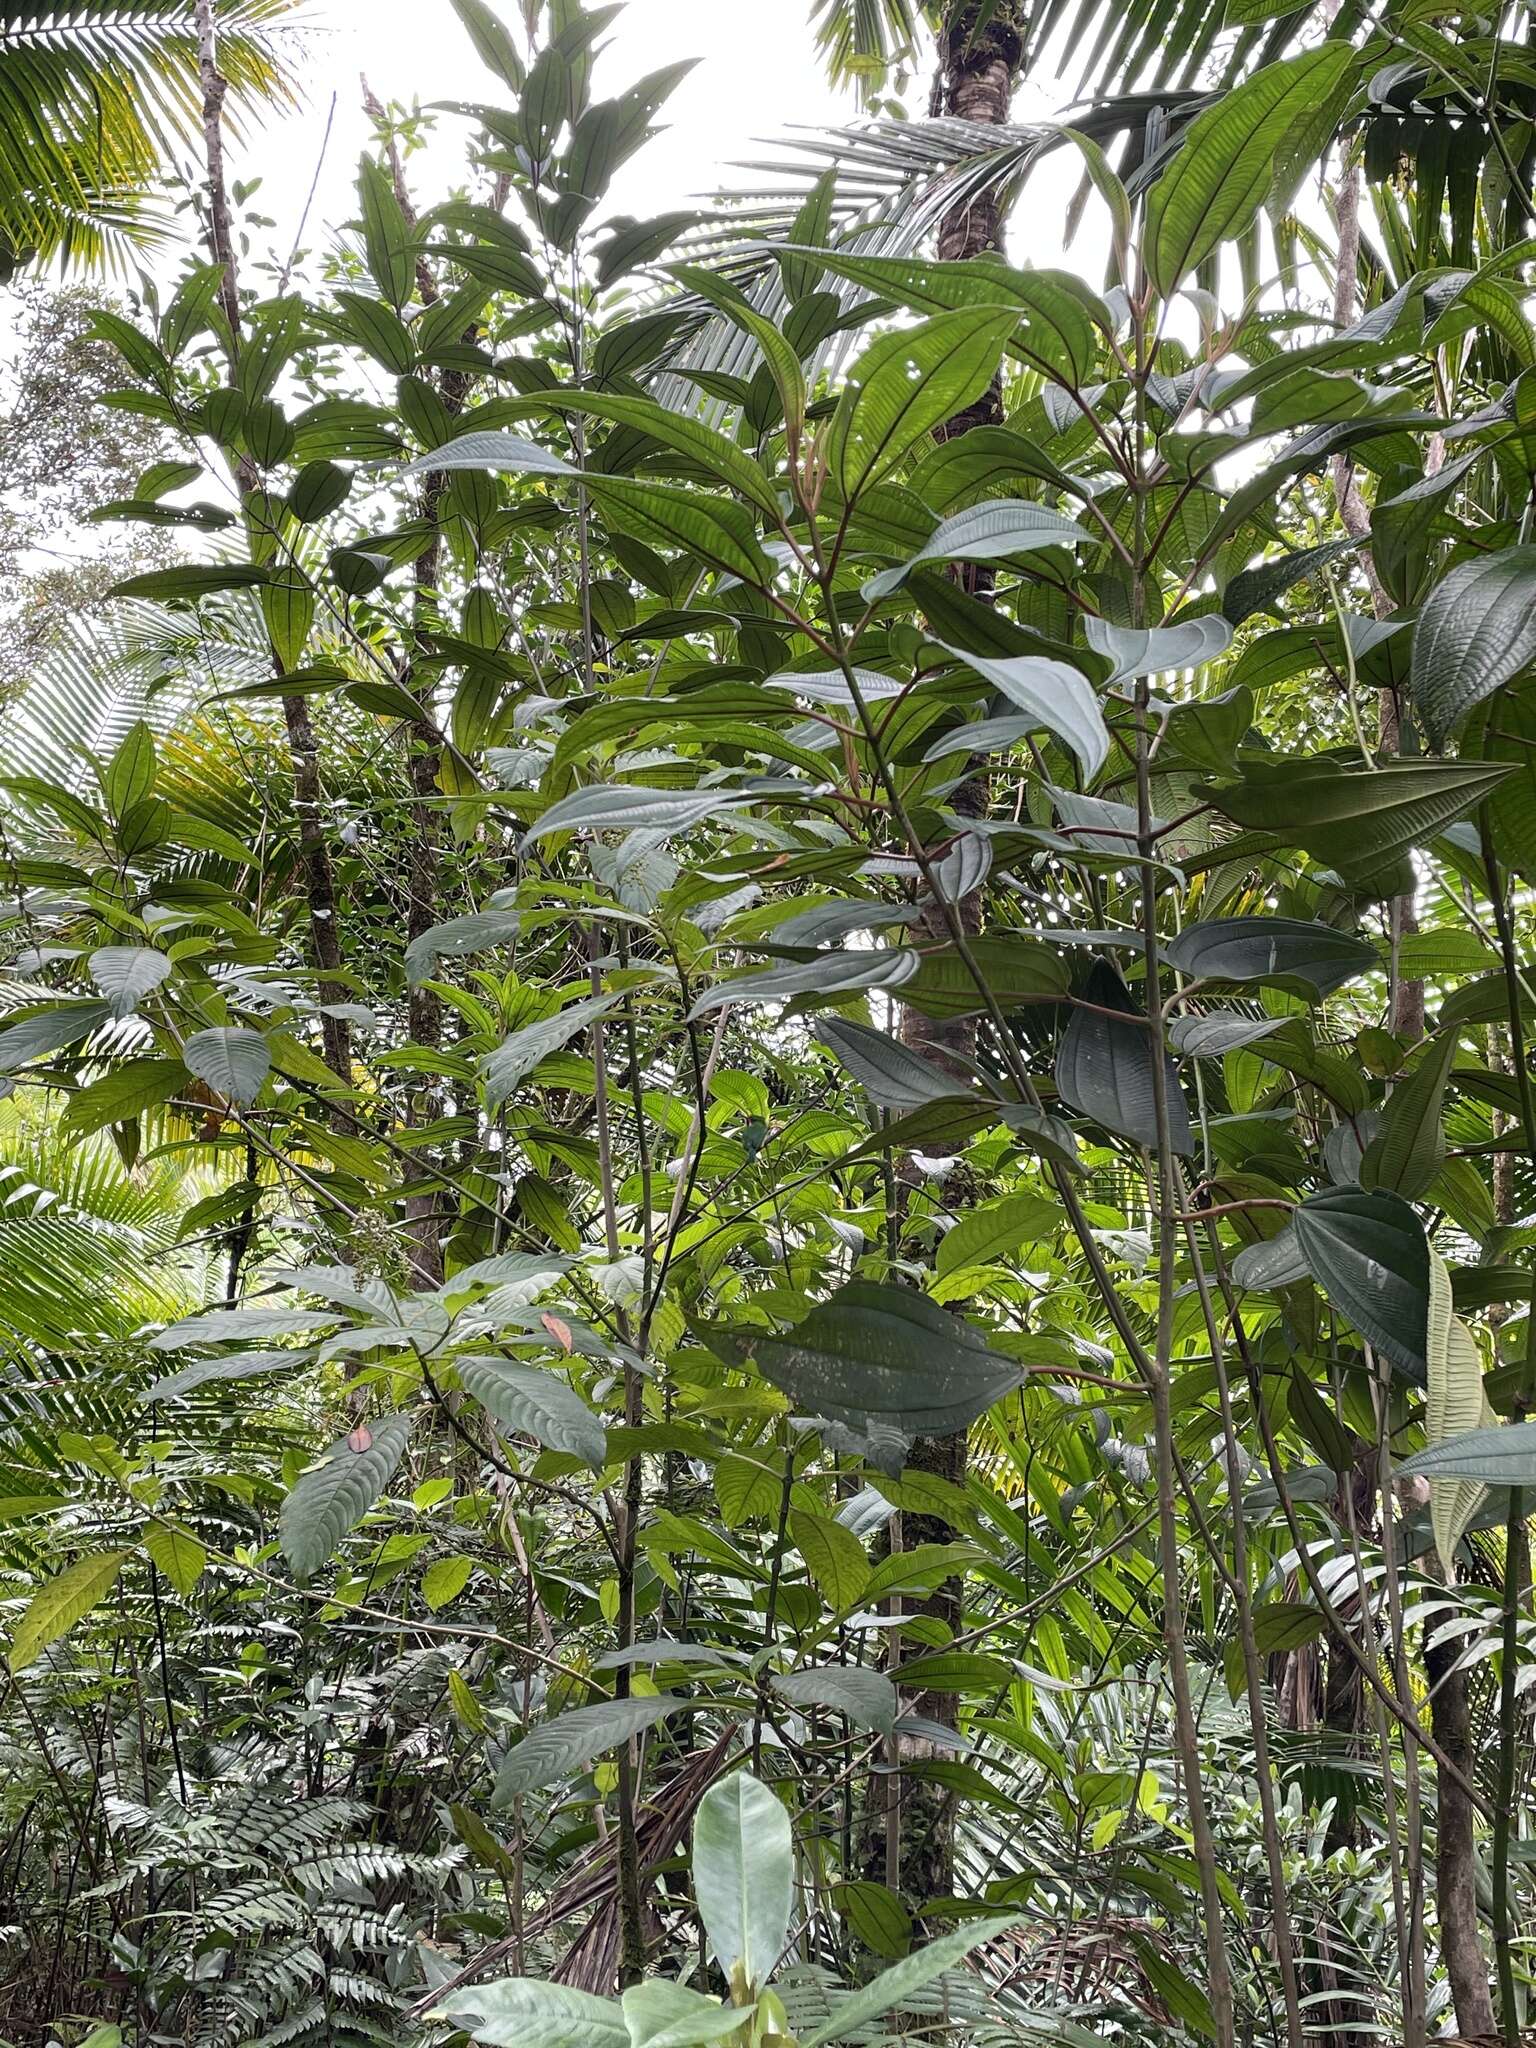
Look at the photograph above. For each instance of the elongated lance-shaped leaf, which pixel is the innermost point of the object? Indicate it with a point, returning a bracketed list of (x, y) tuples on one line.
[(903, 1978), (1457, 1403), (1054, 695), (333, 1497), (530, 2012), (1271, 949), (988, 532), (1104, 1067), (559, 1748), (62, 1601), (1409, 1147)]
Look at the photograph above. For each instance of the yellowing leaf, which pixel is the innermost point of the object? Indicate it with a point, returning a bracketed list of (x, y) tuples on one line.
[(64, 1600)]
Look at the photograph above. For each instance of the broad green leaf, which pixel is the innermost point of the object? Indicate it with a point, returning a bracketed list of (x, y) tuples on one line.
[(1276, 950), (62, 1601), (386, 234), (233, 1061), (1407, 1151), (504, 1070), (227, 1326), (1235, 155), (997, 1230), (49, 1031), (662, 2014), (867, 1698), (497, 451), (331, 1498), (618, 807), (1055, 695), (834, 1557), (530, 2012), (1369, 1255), (1274, 1262), (894, 1986), (126, 974), (1104, 1067), (1056, 315), (178, 1556), (444, 1581), (1501, 1456), (840, 971), (715, 531), (875, 1353), (475, 932), (988, 532), (680, 431), (244, 1365), (192, 580), (1214, 1035), (1457, 1404), (743, 1877), (559, 1748), (1360, 821), (1157, 650), (1476, 632), (534, 1401), (906, 384), (890, 1073)]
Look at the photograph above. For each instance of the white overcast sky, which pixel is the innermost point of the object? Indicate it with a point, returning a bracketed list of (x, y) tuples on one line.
[(757, 75)]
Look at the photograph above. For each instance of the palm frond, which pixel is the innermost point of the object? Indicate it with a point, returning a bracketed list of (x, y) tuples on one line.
[(96, 96)]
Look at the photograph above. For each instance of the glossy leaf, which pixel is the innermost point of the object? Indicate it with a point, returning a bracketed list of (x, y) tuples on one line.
[(1104, 1067), (1368, 1254), (743, 1874)]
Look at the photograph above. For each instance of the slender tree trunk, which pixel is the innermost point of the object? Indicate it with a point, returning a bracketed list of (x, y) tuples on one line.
[(303, 746), (978, 70)]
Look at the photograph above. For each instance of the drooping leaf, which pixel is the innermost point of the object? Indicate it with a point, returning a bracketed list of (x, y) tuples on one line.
[(1368, 1253), (63, 1600), (1158, 650), (834, 1556), (1501, 1456), (1407, 1151), (988, 532), (126, 974), (1457, 1404), (232, 1060), (890, 1073), (475, 932), (331, 1498), (743, 1875), (1057, 696), (179, 1556), (531, 2012), (517, 1055), (867, 1698), (1272, 950), (535, 1402), (559, 1748), (620, 808), (877, 1354), (661, 2013), (1104, 1068), (1476, 632), (48, 1031)]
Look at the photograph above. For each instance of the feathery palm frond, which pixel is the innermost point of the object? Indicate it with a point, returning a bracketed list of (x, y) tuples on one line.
[(94, 97)]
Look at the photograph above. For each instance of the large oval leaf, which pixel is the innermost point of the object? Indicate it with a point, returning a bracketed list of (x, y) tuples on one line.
[(233, 1061), (530, 2012), (1104, 1068), (559, 1748), (334, 1496), (1271, 949), (536, 1403), (743, 1878), (878, 1353), (1477, 631), (1369, 1255)]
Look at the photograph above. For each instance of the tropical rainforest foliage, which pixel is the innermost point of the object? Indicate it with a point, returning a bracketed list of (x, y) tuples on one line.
[(768, 1216)]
